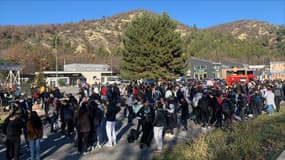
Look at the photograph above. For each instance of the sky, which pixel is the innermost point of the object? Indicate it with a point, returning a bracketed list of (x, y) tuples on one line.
[(202, 13)]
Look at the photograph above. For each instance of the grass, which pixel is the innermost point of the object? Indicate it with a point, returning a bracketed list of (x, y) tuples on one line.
[(262, 138)]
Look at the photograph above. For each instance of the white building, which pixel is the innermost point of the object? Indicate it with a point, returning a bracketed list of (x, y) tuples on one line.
[(78, 73), (86, 67)]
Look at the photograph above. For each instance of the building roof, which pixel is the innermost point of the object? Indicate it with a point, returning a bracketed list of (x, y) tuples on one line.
[(225, 64), (86, 67), (230, 64)]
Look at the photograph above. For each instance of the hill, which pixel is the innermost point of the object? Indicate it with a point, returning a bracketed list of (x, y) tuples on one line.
[(88, 41), (247, 29), (250, 30), (98, 41)]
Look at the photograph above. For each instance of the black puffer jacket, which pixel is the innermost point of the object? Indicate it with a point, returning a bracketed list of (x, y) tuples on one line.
[(159, 119), (83, 120), (112, 112), (13, 128)]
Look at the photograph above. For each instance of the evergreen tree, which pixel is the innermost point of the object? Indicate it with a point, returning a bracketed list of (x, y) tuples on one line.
[(152, 49)]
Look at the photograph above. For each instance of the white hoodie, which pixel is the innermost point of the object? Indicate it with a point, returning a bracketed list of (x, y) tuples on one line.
[(269, 98)]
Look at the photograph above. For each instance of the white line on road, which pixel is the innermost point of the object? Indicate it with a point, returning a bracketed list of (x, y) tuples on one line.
[(58, 139), (46, 151), (2, 150)]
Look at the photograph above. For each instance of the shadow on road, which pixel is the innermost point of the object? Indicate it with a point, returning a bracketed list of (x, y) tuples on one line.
[(48, 146)]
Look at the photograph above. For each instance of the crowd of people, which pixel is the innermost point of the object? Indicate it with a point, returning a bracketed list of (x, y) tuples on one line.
[(156, 109)]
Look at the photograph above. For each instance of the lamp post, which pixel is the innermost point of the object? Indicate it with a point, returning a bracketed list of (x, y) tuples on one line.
[(56, 63)]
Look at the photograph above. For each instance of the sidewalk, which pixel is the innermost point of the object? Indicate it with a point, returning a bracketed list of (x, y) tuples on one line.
[(281, 156)]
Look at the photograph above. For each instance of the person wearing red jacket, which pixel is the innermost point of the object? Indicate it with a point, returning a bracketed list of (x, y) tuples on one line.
[(104, 93)]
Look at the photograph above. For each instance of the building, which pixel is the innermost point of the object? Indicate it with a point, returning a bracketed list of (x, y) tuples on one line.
[(78, 73), (203, 69), (277, 70), (206, 69), (86, 67)]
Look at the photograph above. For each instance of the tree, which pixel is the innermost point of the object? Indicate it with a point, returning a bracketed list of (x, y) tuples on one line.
[(31, 56), (39, 79), (280, 38), (152, 49)]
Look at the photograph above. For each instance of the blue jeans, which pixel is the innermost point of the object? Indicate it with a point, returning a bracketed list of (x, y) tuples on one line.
[(269, 109), (35, 150)]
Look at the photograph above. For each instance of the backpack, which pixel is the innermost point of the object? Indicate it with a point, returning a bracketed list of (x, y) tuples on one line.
[(132, 136)]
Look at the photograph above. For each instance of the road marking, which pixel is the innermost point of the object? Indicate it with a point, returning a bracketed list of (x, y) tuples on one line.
[(2, 150), (58, 139), (46, 151)]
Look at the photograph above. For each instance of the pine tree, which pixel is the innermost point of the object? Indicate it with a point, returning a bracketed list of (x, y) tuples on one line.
[(152, 49)]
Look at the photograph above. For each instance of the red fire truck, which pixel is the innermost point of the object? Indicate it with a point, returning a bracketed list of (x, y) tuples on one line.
[(240, 75)]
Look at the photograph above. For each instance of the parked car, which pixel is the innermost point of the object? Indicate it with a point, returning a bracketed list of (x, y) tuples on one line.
[(114, 81), (124, 81)]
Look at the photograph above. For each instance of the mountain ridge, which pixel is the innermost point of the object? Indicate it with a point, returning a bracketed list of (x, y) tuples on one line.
[(91, 41)]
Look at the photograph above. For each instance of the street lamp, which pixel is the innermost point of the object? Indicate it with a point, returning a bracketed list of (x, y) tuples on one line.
[(56, 63)]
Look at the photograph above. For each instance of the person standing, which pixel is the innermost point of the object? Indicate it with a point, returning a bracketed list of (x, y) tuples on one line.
[(130, 102), (204, 105), (83, 126), (278, 96), (13, 129), (34, 128), (159, 123), (111, 113), (184, 112), (67, 114), (147, 124), (269, 101)]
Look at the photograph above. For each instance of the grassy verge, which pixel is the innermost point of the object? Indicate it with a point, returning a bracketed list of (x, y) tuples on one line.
[(261, 138)]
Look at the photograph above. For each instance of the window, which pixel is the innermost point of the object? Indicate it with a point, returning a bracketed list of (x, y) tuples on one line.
[(195, 67)]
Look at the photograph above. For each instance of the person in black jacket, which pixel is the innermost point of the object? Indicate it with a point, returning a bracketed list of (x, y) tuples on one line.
[(83, 126), (147, 124), (159, 123), (204, 104), (184, 112), (97, 118), (111, 113), (66, 113), (13, 129), (227, 110)]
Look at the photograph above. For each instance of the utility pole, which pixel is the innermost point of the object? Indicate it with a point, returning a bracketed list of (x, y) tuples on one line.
[(56, 63), (111, 65)]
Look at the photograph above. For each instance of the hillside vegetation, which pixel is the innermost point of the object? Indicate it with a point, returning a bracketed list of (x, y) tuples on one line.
[(96, 41), (261, 138)]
